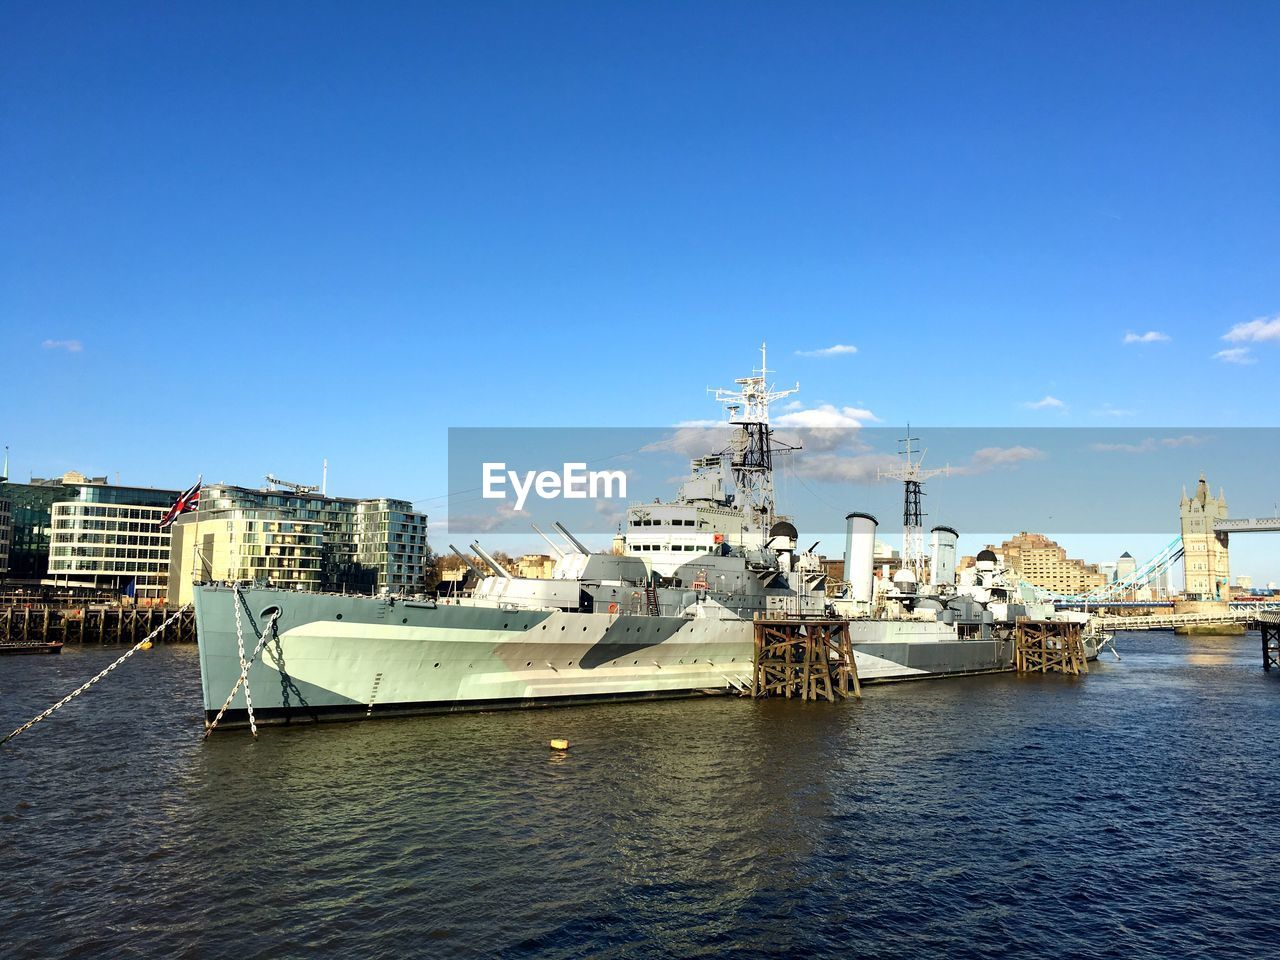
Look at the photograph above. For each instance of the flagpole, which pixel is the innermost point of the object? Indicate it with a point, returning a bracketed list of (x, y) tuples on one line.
[(195, 544)]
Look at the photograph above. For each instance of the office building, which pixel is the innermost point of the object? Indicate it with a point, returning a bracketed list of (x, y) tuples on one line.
[(80, 531)]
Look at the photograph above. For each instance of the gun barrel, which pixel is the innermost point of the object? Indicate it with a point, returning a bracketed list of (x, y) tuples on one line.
[(570, 537), (498, 568), (467, 560)]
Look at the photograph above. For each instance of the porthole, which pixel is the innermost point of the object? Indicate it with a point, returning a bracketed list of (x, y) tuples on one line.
[(337, 616), (405, 620), (529, 664), (437, 665), (504, 626)]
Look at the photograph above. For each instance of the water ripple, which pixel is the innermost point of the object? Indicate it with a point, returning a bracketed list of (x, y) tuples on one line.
[(1130, 814)]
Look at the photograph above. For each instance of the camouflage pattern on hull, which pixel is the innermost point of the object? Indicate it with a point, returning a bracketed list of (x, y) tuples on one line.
[(360, 657)]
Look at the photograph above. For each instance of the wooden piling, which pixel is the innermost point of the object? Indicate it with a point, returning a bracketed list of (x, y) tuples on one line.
[(809, 659), (1049, 646), (22, 625), (1269, 627)]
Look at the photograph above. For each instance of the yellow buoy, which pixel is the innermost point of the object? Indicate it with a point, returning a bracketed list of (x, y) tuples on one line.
[(559, 744), (145, 645)]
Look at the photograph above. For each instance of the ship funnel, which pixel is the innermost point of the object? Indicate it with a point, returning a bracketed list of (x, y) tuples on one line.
[(859, 555), (942, 565)]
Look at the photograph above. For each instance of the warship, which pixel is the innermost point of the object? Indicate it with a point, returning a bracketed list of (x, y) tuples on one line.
[(668, 613)]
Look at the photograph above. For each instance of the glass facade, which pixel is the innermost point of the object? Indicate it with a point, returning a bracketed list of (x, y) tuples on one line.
[(32, 515), (366, 544), (6, 532), (108, 544), (263, 545)]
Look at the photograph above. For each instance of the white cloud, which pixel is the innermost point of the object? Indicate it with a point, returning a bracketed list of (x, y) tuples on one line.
[(694, 438), (867, 467), (1151, 336), (71, 346), (825, 427), (1255, 331), (610, 511), (992, 458), (1240, 355), (839, 468), (503, 513), (1107, 410), (826, 415), (836, 350), (1048, 403), (1149, 444)]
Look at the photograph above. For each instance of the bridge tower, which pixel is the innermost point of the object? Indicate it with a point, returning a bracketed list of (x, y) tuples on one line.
[(1205, 561)]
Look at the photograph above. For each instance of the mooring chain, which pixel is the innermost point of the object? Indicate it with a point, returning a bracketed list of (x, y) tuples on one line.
[(244, 667), (268, 631), (286, 681), (287, 686), (262, 642), (85, 686)]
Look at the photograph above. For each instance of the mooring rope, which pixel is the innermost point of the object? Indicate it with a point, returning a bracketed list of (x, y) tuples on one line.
[(267, 631), (85, 686)]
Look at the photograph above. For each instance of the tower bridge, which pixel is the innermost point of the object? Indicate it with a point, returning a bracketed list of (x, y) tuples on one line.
[(1261, 525), (1202, 546)]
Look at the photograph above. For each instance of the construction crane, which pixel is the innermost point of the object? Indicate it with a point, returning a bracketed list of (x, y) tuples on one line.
[(301, 488)]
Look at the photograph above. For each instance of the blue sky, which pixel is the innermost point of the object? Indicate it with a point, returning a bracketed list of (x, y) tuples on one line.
[(238, 239)]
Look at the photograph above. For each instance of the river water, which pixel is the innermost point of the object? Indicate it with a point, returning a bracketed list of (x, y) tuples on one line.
[(1129, 814)]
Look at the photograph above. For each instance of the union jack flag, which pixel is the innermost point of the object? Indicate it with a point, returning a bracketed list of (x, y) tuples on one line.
[(187, 502)]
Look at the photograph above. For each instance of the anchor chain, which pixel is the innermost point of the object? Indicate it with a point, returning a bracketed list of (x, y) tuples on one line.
[(287, 684), (288, 688), (267, 633), (87, 684), (244, 667)]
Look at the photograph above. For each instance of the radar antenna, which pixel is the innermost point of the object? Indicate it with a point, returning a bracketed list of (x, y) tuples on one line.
[(752, 447), (912, 474)]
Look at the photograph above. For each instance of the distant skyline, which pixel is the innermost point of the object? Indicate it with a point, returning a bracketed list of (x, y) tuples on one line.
[(240, 240)]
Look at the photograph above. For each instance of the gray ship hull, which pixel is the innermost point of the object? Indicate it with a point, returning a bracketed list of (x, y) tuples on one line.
[(349, 657)]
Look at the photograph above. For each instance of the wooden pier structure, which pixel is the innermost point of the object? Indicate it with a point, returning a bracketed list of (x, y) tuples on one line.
[(804, 659), (38, 625), (1269, 627), (1049, 646)]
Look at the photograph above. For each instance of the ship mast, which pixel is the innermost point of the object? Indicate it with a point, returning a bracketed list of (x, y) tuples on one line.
[(752, 446), (912, 474)]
